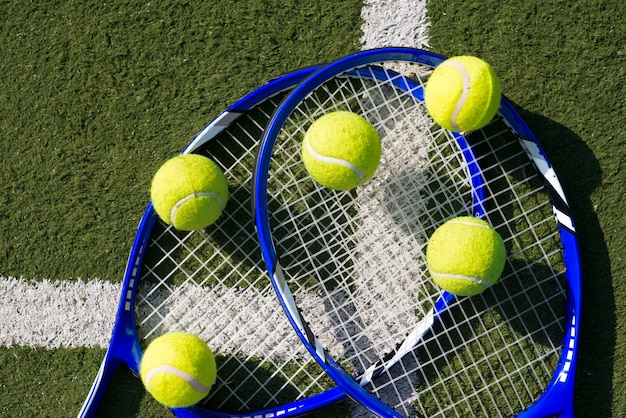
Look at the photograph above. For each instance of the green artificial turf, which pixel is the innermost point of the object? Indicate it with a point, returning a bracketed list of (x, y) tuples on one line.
[(563, 64), (95, 96), (53, 383)]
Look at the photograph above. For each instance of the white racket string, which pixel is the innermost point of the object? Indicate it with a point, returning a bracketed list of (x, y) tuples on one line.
[(212, 283), (355, 261)]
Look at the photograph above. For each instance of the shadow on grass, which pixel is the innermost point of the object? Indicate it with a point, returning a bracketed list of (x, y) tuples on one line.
[(580, 174), (126, 393)]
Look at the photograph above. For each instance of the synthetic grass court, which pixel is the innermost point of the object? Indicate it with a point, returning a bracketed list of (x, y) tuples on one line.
[(94, 97)]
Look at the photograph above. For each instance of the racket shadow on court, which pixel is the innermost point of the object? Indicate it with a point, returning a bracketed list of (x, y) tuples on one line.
[(212, 283), (521, 301), (245, 256), (125, 394), (128, 394), (494, 353), (244, 252), (581, 174)]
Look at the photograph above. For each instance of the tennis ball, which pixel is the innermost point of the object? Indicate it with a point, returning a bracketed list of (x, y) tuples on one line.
[(341, 150), (462, 94), (465, 256), (189, 191), (178, 369)]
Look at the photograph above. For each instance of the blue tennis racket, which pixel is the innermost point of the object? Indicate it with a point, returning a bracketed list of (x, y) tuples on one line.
[(213, 283), (350, 270)]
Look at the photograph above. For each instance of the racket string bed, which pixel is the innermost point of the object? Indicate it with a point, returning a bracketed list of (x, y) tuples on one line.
[(212, 283), (357, 258), (223, 296)]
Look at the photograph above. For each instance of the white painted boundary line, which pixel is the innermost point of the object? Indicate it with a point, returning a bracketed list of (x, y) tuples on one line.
[(55, 314), (79, 313), (394, 23)]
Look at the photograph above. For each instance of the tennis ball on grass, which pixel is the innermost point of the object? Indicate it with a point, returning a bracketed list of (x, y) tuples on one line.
[(462, 94), (341, 150), (178, 369), (465, 256), (189, 192)]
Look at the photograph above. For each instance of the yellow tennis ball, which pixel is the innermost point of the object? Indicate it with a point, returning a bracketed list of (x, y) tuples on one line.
[(178, 369), (341, 150), (465, 256), (462, 94), (189, 192)]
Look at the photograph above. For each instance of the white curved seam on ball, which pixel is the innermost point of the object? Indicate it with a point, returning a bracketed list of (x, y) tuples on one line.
[(455, 222), (333, 160), (477, 280), (193, 382), (464, 93), (194, 195)]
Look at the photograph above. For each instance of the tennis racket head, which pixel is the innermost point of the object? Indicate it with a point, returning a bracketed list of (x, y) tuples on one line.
[(350, 270), (212, 283)]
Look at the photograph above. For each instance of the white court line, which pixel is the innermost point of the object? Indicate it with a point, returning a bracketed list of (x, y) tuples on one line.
[(394, 23), (55, 314), (81, 313)]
